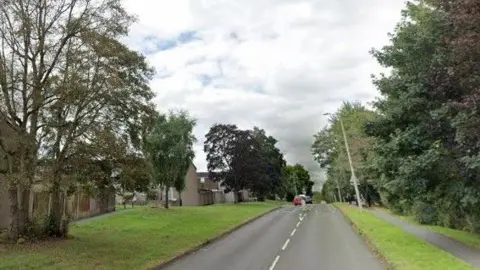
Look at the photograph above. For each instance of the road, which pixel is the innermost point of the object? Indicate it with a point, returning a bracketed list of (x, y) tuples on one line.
[(310, 237)]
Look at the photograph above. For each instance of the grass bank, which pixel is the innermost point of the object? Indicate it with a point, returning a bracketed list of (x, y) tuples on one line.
[(398, 248), (468, 238), (137, 239)]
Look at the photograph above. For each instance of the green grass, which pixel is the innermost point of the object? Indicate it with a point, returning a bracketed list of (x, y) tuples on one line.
[(137, 239), (468, 238), (400, 249)]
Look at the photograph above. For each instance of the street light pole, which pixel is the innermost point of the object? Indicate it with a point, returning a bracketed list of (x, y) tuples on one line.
[(352, 170)]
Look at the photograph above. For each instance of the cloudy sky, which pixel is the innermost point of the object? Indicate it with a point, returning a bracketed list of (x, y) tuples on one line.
[(276, 64)]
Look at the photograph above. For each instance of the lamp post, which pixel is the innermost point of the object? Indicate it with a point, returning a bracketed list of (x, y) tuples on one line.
[(352, 170)]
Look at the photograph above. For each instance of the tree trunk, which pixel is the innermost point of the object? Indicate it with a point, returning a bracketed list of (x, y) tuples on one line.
[(13, 230), (159, 196), (166, 196), (180, 203), (57, 226), (18, 212)]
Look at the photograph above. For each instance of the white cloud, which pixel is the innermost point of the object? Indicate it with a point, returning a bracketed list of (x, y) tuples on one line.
[(277, 64)]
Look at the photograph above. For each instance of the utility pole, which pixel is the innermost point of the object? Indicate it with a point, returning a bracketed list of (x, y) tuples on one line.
[(353, 178)]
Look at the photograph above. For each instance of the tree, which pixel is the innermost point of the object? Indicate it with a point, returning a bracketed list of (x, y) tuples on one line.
[(170, 148), (426, 130), (329, 151), (244, 159), (269, 162), (302, 177), (289, 183), (179, 183), (63, 77), (220, 147), (412, 127)]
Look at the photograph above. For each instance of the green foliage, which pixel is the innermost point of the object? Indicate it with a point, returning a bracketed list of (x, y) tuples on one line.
[(249, 159), (317, 197), (329, 150), (269, 163), (424, 160), (169, 148), (79, 85), (424, 213)]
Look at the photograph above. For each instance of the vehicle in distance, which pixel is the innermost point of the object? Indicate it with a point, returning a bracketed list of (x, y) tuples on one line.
[(297, 200), (308, 200), (302, 199)]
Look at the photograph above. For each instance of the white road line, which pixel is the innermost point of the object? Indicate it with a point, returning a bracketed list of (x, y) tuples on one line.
[(286, 244), (298, 224), (274, 262), (293, 232)]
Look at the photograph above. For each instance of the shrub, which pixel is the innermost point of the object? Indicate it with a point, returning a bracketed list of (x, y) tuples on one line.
[(425, 213)]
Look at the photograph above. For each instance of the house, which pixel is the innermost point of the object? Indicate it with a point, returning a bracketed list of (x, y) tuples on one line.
[(195, 193), (200, 190), (243, 195)]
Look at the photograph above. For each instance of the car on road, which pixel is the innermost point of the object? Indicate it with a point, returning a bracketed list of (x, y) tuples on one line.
[(308, 200), (297, 200), (302, 199)]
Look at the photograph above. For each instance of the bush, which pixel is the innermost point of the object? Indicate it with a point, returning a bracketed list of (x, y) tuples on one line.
[(425, 213), (317, 197)]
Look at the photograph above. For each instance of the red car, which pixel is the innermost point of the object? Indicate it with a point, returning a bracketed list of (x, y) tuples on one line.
[(297, 200)]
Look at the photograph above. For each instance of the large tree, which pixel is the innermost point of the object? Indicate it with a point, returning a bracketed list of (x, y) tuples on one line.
[(427, 127), (169, 147), (220, 146), (64, 77), (244, 159), (267, 163)]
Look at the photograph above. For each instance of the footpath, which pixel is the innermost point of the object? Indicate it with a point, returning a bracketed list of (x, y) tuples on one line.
[(464, 252)]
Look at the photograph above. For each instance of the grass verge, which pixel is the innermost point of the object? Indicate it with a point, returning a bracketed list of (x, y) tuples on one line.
[(468, 238), (398, 248), (138, 239)]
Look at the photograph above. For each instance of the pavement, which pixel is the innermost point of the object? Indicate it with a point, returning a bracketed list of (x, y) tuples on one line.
[(303, 237), (469, 254)]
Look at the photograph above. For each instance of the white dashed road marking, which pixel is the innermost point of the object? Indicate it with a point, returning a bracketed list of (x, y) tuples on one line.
[(274, 262), (301, 216), (286, 244)]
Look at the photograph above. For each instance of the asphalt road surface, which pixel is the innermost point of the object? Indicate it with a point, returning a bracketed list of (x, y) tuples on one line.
[(310, 237)]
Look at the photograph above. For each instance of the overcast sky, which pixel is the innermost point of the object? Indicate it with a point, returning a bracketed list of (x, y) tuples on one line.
[(275, 64)]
